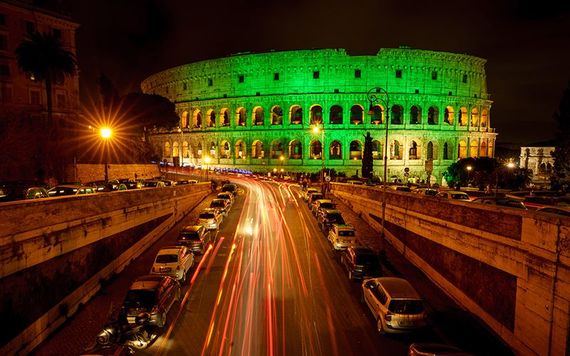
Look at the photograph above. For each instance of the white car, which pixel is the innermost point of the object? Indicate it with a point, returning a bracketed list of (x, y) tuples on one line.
[(226, 196), (454, 195), (210, 219), (341, 236), (173, 261), (221, 205), (308, 192)]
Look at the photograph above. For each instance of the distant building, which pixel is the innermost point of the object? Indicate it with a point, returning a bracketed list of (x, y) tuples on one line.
[(22, 99), (539, 160)]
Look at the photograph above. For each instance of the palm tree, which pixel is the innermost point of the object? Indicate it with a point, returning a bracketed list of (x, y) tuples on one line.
[(43, 57)]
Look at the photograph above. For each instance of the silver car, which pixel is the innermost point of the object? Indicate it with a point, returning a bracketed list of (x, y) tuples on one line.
[(210, 219)]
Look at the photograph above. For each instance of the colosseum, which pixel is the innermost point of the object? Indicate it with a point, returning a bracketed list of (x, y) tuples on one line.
[(257, 111)]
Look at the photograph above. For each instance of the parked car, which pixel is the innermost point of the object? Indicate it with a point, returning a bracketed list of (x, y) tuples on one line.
[(501, 201), (314, 197), (401, 188), (173, 261), (539, 201), (153, 184), (321, 204), (230, 188), (226, 196), (131, 184), (558, 210), (151, 294), (210, 219), (63, 190), (395, 304), (305, 195), (168, 182), (106, 186), (327, 217), (195, 237), (453, 195), (341, 236), (10, 191), (432, 349), (360, 262), (426, 192), (221, 205)]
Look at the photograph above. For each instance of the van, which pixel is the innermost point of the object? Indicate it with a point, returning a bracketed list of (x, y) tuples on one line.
[(395, 304)]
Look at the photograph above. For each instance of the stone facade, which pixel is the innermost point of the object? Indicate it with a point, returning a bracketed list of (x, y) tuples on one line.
[(249, 110), (540, 161)]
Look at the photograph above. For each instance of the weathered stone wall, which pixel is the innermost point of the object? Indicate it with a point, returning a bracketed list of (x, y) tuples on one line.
[(91, 172), (510, 268), (56, 252)]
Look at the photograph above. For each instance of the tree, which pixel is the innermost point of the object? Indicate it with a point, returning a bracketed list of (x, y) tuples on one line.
[(483, 172), (367, 161), (561, 176), (107, 91), (149, 110)]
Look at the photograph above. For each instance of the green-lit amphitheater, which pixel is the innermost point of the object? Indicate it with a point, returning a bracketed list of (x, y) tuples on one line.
[(258, 111)]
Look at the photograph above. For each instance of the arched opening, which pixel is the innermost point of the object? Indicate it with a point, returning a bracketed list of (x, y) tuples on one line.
[(241, 152), (167, 152), (356, 150), (335, 150), (257, 150), (199, 150), (241, 117), (462, 152), (429, 153), (276, 149), (258, 119), (433, 115), (415, 115), (447, 154), (295, 150), (474, 117), (448, 115), (336, 115), (473, 148), (225, 117), (484, 119), (225, 151), (483, 149), (316, 149), (213, 150), (463, 116), (276, 115), (377, 150), (197, 119), (356, 115), (185, 150), (175, 152), (212, 118), (377, 116), (542, 168), (184, 120), (296, 115), (396, 150), (396, 115), (549, 168), (316, 115), (414, 152)]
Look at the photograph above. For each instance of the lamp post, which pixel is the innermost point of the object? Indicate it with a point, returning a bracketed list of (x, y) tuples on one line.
[(510, 165), (106, 133), (207, 160), (469, 169), (181, 153), (316, 130), (281, 158), (380, 95)]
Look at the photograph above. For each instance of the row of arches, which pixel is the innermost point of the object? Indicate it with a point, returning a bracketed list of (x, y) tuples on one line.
[(293, 149), (337, 116)]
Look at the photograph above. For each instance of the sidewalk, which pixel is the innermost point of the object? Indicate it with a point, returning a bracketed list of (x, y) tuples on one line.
[(455, 325)]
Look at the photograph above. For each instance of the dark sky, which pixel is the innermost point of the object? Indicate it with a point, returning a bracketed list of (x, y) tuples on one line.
[(526, 43)]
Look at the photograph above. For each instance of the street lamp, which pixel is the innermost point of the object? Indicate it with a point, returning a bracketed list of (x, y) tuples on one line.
[(106, 133), (380, 95), (181, 153), (469, 169), (316, 131), (510, 165)]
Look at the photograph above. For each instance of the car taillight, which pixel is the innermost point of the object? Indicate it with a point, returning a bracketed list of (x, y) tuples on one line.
[(388, 316)]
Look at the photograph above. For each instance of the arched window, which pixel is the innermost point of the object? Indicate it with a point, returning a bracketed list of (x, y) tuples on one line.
[(212, 150), (212, 119), (377, 150), (377, 116), (448, 115), (225, 150), (462, 149), (414, 152), (241, 117), (276, 149), (185, 150), (447, 154), (257, 150), (336, 115), (316, 149), (484, 119), (483, 149), (241, 152), (548, 168), (225, 117), (335, 150), (276, 115), (542, 168), (474, 148), (396, 150), (197, 119), (316, 115), (433, 115), (175, 152), (429, 153), (356, 150), (258, 119), (296, 115), (463, 116), (184, 120), (295, 150), (415, 115), (167, 152), (199, 150), (490, 148), (396, 115), (356, 115), (474, 117)]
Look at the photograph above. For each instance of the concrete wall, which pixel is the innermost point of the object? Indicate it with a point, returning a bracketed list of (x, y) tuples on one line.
[(90, 172), (55, 253), (510, 268)]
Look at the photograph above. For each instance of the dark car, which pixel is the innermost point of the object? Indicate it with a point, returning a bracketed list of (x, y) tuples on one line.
[(10, 191), (131, 184), (231, 188), (328, 217), (152, 294), (360, 262), (195, 237), (501, 201), (65, 190)]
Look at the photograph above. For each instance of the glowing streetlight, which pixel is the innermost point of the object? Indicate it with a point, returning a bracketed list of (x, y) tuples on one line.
[(207, 160), (469, 169), (106, 133)]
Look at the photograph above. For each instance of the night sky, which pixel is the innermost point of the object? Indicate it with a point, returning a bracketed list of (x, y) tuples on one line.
[(526, 43)]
